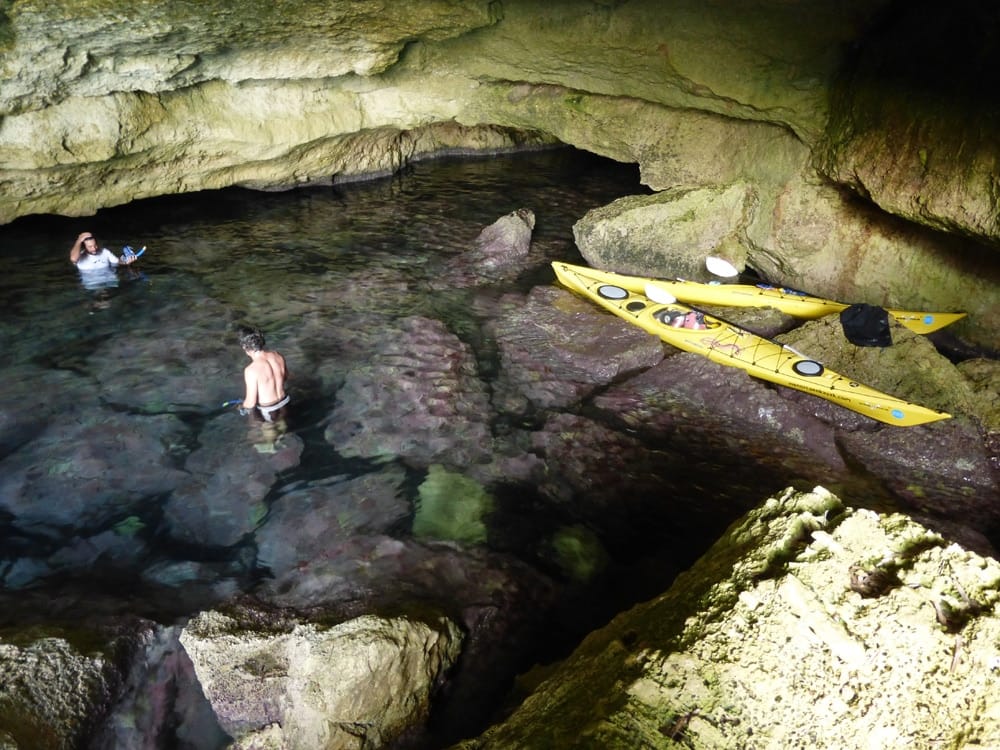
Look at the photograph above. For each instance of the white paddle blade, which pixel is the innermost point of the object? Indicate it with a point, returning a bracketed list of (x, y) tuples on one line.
[(659, 295), (720, 267)]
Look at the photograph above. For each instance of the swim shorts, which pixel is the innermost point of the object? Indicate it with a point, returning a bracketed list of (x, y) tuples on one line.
[(267, 411)]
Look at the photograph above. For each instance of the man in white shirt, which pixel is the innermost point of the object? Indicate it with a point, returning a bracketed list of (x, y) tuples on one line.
[(97, 265)]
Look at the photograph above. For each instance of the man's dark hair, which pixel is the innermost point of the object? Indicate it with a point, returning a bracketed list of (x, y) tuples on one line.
[(251, 339)]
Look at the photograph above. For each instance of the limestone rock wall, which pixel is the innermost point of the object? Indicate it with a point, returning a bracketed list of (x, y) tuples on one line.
[(816, 111), (57, 51), (914, 118), (807, 625)]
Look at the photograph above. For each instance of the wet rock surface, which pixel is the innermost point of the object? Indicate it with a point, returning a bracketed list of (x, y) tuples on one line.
[(419, 399), (688, 400), (547, 353)]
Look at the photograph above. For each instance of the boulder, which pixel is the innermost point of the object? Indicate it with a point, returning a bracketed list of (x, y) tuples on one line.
[(500, 251), (808, 623), (504, 241), (277, 682), (668, 234)]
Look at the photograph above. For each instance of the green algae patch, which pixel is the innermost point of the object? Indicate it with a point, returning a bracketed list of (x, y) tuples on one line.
[(579, 553), (129, 527), (451, 507)]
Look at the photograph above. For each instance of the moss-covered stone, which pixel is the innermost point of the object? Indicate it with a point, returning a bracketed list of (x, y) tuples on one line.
[(451, 507)]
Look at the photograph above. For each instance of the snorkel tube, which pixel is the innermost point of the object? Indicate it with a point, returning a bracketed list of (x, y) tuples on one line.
[(128, 252)]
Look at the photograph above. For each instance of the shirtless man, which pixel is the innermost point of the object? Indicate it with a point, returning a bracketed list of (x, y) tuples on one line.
[(265, 376)]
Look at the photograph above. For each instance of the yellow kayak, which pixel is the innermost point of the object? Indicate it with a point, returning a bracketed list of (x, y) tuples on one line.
[(786, 300), (693, 331)]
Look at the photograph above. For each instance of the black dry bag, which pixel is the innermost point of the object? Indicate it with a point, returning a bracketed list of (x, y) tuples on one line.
[(866, 325)]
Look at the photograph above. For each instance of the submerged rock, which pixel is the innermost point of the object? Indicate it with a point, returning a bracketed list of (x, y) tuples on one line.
[(115, 464), (548, 354), (807, 624), (419, 399), (500, 251), (306, 524), (223, 498)]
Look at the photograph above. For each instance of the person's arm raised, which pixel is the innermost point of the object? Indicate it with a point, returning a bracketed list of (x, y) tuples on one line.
[(74, 252)]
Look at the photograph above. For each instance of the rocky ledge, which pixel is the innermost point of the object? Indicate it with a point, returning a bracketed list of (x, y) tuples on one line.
[(809, 624)]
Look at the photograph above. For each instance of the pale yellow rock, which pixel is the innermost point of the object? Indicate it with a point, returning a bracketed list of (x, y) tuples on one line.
[(358, 684), (103, 102), (665, 234), (765, 643)]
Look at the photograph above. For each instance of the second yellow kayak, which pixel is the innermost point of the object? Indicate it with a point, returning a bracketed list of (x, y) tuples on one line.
[(786, 300), (719, 341)]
